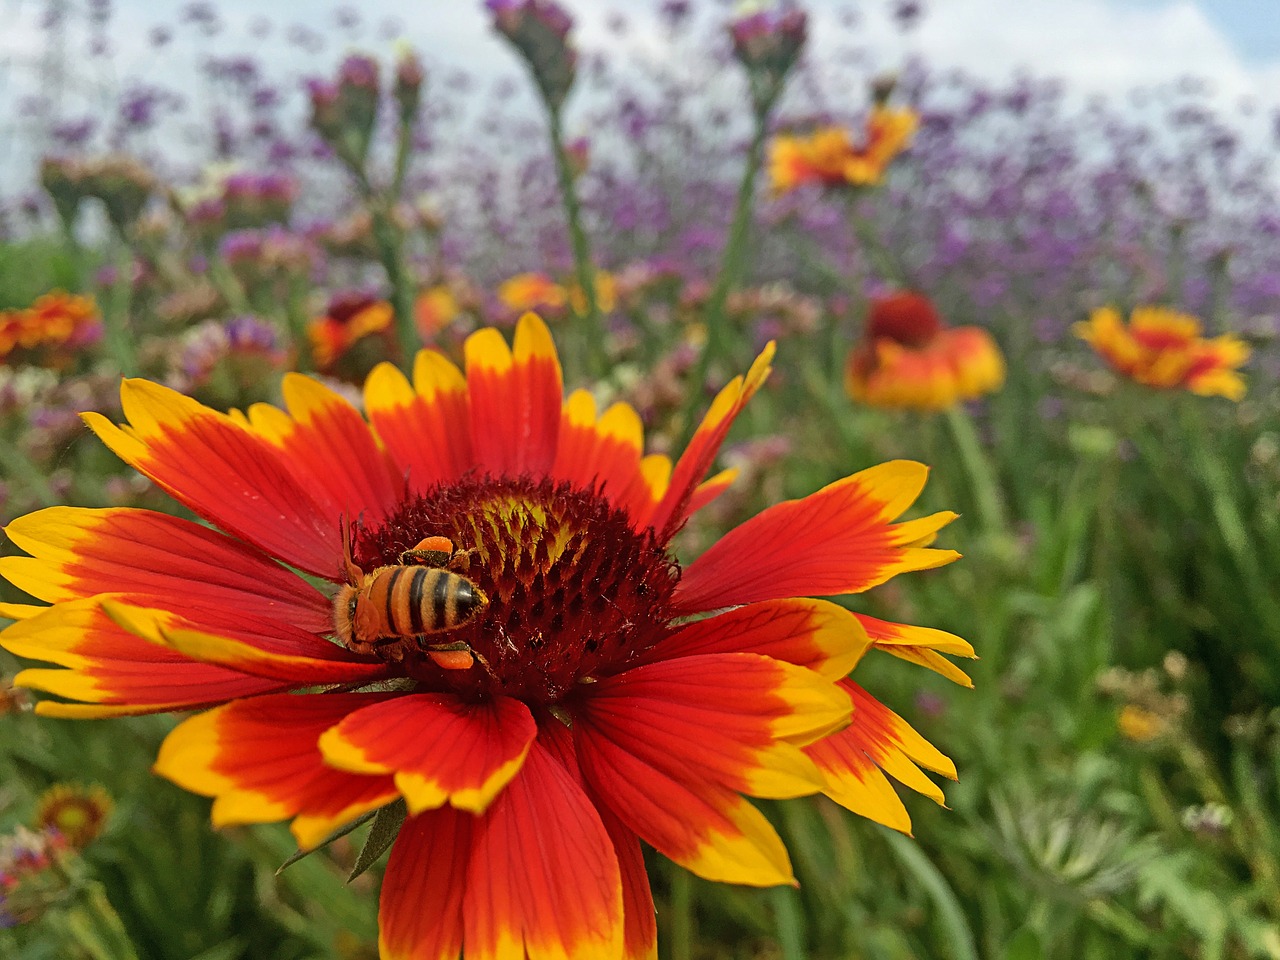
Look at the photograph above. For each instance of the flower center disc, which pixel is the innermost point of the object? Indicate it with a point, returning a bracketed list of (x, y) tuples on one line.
[(574, 592)]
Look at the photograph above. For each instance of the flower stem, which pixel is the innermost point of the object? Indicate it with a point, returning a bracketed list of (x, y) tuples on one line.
[(115, 316), (389, 241), (583, 264), (681, 915), (732, 265), (982, 478), (790, 926), (96, 927)]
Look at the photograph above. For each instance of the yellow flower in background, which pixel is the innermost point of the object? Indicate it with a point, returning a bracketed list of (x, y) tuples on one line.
[(435, 308), (532, 291), (1163, 348), (606, 294), (828, 156), (78, 813), (1139, 724), (908, 358)]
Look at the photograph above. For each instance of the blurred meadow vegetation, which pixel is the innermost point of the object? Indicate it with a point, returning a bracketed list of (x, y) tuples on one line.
[(1119, 752)]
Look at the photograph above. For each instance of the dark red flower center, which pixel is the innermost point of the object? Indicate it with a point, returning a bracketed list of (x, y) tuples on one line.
[(907, 318), (574, 593)]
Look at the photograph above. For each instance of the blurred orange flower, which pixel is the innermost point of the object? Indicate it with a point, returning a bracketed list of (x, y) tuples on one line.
[(606, 294), (828, 156), (909, 358), (56, 320), (532, 291), (334, 334), (77, 813), (435, 308), (1163, 348)]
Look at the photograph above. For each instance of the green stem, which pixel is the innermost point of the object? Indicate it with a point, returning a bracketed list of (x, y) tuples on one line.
[(681, 926), (583, 264), (790, 925), (982, 478), (115, 318), (389, 242), (296, 316), (732, 265), (96, 927), (874, 250), (19, 466)]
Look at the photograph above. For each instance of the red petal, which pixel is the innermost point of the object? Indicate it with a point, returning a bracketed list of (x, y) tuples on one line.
[(260, 648), (420, 910), (668, 746), (602, 454), (259, 758), (921, 645), (702, 449), (877, 738), (838, 540), (114, 670), (425, 429), (223, 472), (439, 748), (640, 921), (514, 398), (330, 449), (817, 634), (158, 560), (543, 880)]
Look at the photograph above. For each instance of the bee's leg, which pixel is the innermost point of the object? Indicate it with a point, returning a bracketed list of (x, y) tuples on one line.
[(460, 562), (430, 552)]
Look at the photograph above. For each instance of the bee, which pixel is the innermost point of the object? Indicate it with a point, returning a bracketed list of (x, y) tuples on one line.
[(375, 612)]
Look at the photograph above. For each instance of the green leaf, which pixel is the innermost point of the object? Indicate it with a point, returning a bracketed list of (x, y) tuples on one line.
[(342, 831), (386, 824), (1024, 945)]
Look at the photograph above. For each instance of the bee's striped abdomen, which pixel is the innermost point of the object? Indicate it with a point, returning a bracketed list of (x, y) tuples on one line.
[(407, 601)]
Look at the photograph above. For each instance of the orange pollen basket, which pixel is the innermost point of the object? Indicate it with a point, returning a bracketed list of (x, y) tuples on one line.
[(574, 593)]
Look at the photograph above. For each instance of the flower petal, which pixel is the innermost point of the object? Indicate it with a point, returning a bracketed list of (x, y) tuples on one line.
[(420, 910), (223, 472), (603, 454), (515, 398), (922, 645), (817, 634), (331, 449), (259, 759), (78, 552), (543, 880), (259, 648), (425, 429), (877, 738), (670, 745), (705, 444), (117, 672), (838, 540), (440, 749)]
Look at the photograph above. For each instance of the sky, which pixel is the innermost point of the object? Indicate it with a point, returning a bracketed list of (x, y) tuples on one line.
[(1096, 46)]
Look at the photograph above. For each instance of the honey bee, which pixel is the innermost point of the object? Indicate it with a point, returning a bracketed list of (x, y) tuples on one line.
[(375, 612)]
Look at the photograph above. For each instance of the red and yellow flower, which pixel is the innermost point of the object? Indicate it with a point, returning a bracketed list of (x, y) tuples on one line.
[(603, 695), (55, 323), (78, 813), (348, 321), (829, 157), (1163, 348), (909, 358)]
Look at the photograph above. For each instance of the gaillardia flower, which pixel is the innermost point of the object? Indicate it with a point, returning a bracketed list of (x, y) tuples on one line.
[(1163, 348), (909, 358), (513, 649), (828, 156)]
